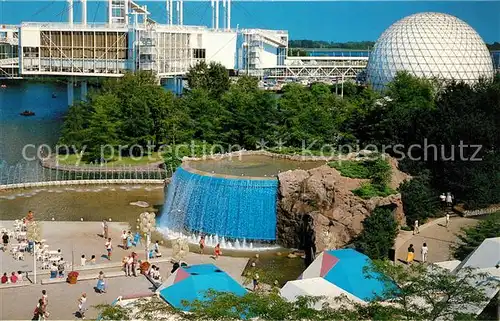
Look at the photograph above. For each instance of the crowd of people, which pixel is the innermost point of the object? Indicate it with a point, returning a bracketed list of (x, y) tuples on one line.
[(15, 277)]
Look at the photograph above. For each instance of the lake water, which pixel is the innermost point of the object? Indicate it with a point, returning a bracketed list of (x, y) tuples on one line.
[(18, 131)]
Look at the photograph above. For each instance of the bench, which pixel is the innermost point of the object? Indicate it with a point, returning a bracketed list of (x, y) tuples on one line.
[(87, 277)]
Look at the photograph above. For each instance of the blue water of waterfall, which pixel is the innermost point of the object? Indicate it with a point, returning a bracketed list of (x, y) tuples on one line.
[(230, 207)]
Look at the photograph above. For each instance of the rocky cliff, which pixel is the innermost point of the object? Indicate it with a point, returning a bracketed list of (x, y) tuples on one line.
[(325, 195)]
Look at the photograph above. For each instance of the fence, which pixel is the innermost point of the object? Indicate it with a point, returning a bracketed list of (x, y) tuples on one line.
[(32, 174)]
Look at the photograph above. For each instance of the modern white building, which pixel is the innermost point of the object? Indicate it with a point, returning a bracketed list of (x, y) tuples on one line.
[(429, 45)]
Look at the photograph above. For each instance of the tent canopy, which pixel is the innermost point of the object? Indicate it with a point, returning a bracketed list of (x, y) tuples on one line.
[(344, 268), (316, 287), (191, 283)]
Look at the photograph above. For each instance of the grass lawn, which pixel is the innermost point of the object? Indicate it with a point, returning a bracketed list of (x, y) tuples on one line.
[(73, 159)]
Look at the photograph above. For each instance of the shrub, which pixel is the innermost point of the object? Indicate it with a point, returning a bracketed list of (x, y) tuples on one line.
[(369, 190), (351, 169), (378, 235), (420, 201), (472, 237)]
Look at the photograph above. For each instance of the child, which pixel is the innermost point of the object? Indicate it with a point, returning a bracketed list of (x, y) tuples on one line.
[(217, 251), (92, 260), (83, 260), (202, 244)]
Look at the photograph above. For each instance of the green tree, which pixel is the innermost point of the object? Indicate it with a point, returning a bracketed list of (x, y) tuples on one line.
[(75, 123), (101, 136), (420, 201), (472, 237), (427, 292), (379, 232), (213, 77)]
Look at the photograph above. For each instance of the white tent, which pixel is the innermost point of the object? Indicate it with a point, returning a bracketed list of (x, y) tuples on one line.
[(318, 287), (487, 255)]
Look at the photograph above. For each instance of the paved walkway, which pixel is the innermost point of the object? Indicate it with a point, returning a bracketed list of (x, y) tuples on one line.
[(436, 235), (82, 238)]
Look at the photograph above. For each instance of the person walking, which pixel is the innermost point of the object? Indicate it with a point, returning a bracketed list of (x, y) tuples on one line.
[(82, 305), (442, 198), (105, 229), (449, 199), (202, 244), (128, 264), (424, 252), (447, 219), (411, 254), (45, 298), (416, 229), (217, 251), (40, 312), (135, 261), (5, 240), (109, 248), (101, 284), (60, 268), (124, 240)]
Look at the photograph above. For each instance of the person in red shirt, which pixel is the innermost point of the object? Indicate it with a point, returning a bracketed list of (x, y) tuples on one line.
[(4, 278), (13, 277), (217, 251)]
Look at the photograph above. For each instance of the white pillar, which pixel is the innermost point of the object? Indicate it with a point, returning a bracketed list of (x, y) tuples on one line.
[(34, 262), (216, 14), (83, 91), (228, 15), (212, 3), (181, 12), (178, 6), (167, 3), (171, 18), (110, 12), (224, 12), (84, 12), (148, 240), (70, 12)]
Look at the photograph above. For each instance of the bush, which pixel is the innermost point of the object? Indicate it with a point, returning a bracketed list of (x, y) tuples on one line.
[(420, 201), (369, 190), (406, 228), (378, 235), (352, 169)]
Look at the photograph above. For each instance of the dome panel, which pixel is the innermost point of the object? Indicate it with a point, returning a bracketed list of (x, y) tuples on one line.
[(429, 45)]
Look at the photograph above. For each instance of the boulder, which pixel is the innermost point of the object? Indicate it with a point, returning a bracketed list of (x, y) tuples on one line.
[(325, 195)]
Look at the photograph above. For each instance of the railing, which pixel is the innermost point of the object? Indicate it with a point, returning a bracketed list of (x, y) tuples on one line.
[(32, 174)]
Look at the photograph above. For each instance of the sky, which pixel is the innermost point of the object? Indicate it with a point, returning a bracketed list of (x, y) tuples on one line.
[(338, 21)]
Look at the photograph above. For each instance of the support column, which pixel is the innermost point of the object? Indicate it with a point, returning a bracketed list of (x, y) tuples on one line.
[(70, 92), (83, 91)]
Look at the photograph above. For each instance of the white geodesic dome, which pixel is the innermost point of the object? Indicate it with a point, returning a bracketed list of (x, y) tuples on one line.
[(429, 45)]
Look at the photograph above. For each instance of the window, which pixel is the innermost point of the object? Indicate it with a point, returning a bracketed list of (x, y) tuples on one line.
[(199, 53)]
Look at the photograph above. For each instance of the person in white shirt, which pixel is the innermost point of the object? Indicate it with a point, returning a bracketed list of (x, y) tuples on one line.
[(83, 260), (124, 240), (416, 229), (424, 252), (447, 219), (81, 305), (20, 277)]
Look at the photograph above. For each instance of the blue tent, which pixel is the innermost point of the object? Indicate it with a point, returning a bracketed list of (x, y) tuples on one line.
[(192, 282), (344, 268)]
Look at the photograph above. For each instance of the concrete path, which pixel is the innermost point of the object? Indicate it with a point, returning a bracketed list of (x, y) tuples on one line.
[(436, 235), (79, 238)]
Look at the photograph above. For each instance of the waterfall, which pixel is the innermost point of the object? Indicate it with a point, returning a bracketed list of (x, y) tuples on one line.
[(223, 208)]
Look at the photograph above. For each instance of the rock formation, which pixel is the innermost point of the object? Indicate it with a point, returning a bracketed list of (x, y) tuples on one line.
[(326, 196)]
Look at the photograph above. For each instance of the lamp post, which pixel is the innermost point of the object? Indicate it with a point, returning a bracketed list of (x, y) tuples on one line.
[(34, 234), (147, 225)]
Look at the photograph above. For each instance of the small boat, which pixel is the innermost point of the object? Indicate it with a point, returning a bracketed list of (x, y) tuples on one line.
[(54, 95), (27, 113)]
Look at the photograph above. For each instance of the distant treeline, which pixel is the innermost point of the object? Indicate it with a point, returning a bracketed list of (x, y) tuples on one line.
[(351, 45), (493, 46)]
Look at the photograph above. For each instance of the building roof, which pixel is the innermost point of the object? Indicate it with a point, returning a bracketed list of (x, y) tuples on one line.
[(486, 255)]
